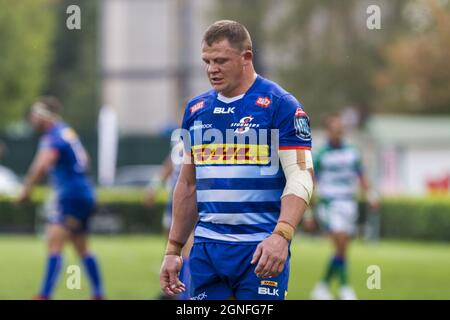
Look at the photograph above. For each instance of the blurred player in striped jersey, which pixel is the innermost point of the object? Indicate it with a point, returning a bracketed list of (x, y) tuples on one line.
[(231, 188), (338, 171), (61, 154)]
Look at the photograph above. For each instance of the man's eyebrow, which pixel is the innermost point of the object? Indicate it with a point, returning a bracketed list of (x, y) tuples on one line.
[(214, 59)]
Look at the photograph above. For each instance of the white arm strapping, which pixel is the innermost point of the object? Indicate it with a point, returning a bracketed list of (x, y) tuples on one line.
[(299, 180)]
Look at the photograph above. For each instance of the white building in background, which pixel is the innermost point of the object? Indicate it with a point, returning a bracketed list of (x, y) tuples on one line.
[(150, 59), (413, 153), (403, 155)]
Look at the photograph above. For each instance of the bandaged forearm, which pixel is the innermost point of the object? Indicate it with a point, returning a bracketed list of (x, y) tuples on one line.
[(297, 167), (284, 229)]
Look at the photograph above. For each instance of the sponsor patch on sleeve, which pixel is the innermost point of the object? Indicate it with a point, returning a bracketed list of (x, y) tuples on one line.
[(263, 102), (197, 106), (302, 126)]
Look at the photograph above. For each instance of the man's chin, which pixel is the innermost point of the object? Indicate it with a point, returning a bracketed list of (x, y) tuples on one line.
[(219, 87)]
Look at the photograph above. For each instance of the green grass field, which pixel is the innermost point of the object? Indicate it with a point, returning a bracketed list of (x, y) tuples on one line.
[(130, 264)]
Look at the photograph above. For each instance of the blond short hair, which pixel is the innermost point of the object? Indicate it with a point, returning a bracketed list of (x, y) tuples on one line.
[(236, 34)]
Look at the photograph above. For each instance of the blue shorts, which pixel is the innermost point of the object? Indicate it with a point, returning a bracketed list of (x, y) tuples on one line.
[(72, 213), (221, 270)]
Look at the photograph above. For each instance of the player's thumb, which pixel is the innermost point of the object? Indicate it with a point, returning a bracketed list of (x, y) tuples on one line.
[(257, 254), (173, 279)]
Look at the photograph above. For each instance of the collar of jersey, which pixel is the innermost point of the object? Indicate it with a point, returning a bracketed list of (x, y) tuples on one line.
[(229, 100), (236, 98)]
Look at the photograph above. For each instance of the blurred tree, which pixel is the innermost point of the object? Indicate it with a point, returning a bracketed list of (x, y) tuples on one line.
[(26, 31), (417, 75), (322, 51), (327, 55), (252, 14), (74, 73)]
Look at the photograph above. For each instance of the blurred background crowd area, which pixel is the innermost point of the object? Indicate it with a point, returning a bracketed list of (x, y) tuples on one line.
[(139, 61)]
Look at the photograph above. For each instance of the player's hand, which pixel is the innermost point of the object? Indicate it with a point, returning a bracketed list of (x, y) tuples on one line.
[(149, 198), (374, 206), (168, 277), (271, 255), (23, 197), (373, 200)]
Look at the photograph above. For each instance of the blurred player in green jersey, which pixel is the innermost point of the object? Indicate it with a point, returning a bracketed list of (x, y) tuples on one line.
[(339, 174)]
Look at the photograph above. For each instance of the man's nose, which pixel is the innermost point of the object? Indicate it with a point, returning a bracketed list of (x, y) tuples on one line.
[(212, 68)]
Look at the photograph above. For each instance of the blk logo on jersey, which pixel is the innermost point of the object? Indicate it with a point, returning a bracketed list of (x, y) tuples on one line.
[(244, 125), (219, 110), (302, 126), (263, 102), (268, 291)]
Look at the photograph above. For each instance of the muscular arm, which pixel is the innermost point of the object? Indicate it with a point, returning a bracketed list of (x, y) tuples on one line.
[(368, 193), (42, 163), (272, 253), (364, 182), (292, 209), (166, 170), (184, 217), (185, 213), (150, 192)]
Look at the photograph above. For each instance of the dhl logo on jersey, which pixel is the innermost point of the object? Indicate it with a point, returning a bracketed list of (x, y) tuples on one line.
[(269, 283), (230, 154)]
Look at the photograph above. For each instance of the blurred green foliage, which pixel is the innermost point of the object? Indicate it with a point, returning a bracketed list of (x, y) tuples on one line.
[(416, 77), (27, 28), (323, 52), (327, 57), (40, 55), (255, 22), (125, 205), (418, 218), (73, 75), (330, 54)]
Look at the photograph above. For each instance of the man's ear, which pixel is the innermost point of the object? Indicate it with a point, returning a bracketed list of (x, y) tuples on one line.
[(248, 57)]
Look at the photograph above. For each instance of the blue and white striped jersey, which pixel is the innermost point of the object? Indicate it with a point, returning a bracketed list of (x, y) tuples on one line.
[(232, 141)]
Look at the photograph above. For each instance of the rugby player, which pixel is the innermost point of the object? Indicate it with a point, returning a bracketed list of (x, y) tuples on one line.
[(61, 154), (244, 213), (338, 171)]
